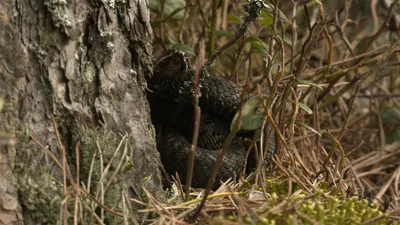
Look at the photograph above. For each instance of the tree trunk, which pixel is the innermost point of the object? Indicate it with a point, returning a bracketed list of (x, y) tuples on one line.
[(81, 64)]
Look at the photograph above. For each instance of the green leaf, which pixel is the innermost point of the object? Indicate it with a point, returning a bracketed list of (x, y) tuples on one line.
[(269, 12), (249, 107), (308, 128), (168, 39), (184, 48), (234, 18), (391, 116), (362, 45), (304, 107), (225, 33), (263, 52), (391, 121), (252, 38), (276, 67), (266, 18), (252, 122), (169, 7), (287, 40), (392, 136), (258, 46), (307, 109), (309, 83)]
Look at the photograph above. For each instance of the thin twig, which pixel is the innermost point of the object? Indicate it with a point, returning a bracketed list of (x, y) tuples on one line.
[(197, 116)]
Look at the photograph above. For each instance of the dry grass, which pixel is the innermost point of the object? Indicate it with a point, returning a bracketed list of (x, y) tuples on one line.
[(333, 85), (331, 101)]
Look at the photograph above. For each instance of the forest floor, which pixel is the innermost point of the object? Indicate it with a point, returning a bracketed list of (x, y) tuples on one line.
[(332, 74)]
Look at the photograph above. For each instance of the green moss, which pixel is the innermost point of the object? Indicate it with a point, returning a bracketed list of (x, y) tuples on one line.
[(280, 188), (325, 210), (333, 210), (98, 147), (39, 192)]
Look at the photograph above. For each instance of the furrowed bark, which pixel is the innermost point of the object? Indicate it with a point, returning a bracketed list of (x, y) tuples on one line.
[(85, 63)]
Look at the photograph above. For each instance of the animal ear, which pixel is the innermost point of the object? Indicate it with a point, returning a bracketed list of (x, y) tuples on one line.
[(172, 64)]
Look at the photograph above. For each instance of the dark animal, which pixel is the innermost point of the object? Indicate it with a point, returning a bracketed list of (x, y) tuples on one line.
[(171, 102)]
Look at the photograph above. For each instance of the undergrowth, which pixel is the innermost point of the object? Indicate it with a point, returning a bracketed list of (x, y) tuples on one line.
[(327, 80), (327, 76)]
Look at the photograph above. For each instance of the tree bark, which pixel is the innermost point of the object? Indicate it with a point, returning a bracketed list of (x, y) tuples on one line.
[(83, 63)]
